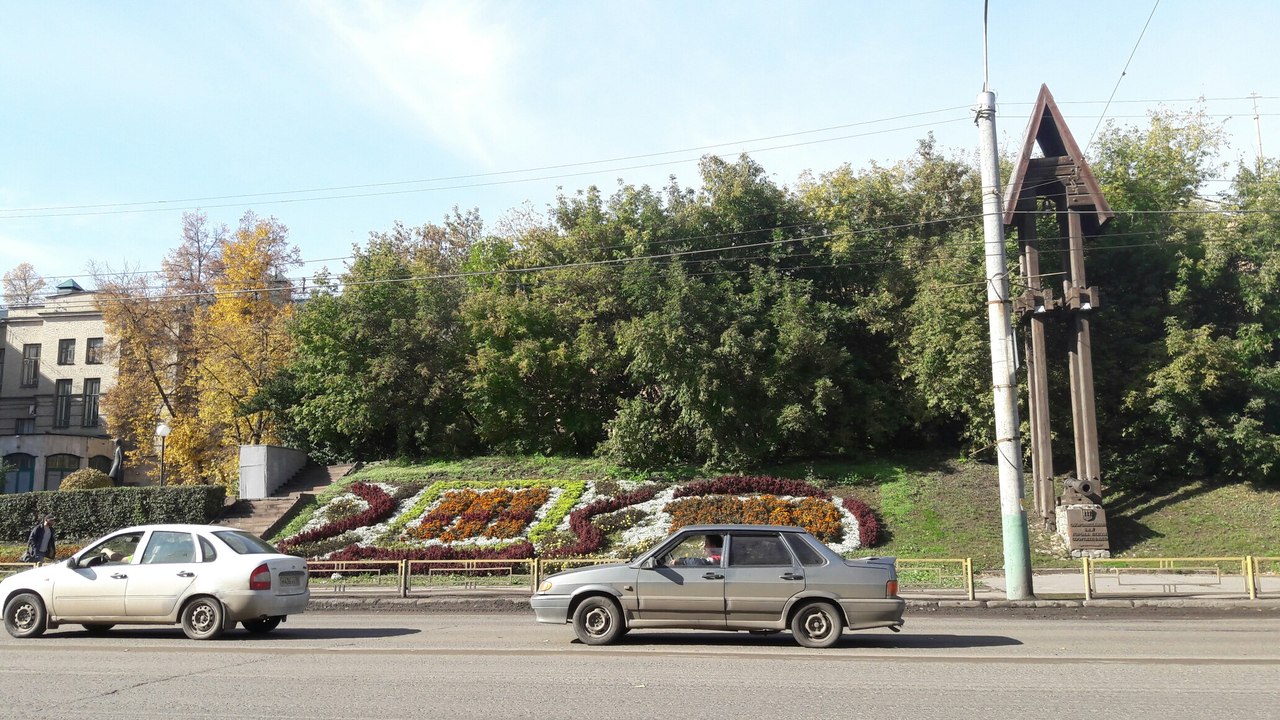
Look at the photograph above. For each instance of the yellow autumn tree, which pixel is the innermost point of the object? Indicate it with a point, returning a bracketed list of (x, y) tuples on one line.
[(245, 342), (150, 320), (193, 345)]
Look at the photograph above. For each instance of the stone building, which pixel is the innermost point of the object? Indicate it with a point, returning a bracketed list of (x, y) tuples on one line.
[(53, 373)]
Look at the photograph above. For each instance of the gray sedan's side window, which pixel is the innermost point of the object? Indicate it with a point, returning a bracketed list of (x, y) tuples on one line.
[(758, 550), (694, 550), (803, 550)]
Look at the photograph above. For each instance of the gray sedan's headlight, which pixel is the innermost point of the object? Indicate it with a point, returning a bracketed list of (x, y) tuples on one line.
[(545, 586)]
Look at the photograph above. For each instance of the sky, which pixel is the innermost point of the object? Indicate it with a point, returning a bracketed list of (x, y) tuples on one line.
[(342, 118)]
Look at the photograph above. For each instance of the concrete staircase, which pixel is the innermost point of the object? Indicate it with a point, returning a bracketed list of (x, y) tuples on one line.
[(266, 516)]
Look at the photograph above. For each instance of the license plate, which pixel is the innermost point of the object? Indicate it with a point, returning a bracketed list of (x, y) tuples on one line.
[(291, 580)]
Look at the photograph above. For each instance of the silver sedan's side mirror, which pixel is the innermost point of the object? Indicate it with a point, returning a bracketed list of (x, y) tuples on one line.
[(648, 564)]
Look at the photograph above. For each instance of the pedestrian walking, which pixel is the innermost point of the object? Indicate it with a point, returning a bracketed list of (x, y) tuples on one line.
[(40, 543)]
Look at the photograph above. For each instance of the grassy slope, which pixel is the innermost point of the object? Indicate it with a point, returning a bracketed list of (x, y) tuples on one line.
[(942, 507)]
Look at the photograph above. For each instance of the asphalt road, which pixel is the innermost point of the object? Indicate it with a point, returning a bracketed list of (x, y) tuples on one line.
[(436, 665)]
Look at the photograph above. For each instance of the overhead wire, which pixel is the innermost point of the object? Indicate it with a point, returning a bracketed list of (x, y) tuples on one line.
[(1123, 71), (287, 284), (168, 204)]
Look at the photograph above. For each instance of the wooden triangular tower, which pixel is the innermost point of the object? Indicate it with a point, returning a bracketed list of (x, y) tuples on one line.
[(1060, 182)]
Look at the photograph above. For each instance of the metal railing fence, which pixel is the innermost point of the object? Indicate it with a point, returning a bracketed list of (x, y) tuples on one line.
[(922, 577)]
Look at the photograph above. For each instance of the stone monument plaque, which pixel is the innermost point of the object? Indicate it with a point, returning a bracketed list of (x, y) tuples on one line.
[(1086, 527)]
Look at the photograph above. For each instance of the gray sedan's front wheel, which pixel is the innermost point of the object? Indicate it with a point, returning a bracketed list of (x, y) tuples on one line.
[(24, 616), (817, 625), (598, 621), (202, 619)]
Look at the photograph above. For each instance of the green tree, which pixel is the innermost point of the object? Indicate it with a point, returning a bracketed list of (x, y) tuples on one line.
[(381, 356)]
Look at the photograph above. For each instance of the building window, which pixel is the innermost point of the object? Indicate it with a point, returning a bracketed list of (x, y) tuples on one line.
[(25, 426), (101, 463), (66, 352), (1, 371), (57, 467), (30, 365), (93, 351), (90, 405), (62, 404)]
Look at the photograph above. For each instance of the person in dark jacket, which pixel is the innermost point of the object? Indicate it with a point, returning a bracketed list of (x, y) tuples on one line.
[(40, 543)]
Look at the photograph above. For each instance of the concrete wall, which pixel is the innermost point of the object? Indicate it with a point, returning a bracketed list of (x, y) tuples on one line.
[(264, 468)]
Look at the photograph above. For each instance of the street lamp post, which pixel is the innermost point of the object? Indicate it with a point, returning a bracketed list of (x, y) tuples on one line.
[(163, 431)]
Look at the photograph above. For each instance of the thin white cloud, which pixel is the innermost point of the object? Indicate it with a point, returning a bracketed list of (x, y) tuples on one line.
[(45, 257), (444, 64)]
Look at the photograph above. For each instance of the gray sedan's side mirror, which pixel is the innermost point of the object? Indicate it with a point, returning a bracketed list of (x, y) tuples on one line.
[(648, 564)]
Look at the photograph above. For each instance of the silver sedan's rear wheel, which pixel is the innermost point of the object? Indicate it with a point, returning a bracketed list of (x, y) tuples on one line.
[(598, 621), (817, 625), (202, 619), (24, 616)]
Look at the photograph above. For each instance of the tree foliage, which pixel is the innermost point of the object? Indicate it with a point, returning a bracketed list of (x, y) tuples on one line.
[(22, 285), (194, 345), (740, 322)]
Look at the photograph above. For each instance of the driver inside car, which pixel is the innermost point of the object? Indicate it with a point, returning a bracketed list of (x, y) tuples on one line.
[(116, 551), (690, 552)]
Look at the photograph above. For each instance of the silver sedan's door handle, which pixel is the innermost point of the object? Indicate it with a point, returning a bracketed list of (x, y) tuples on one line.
[(186, 573), (712, 576), (119, 576), (791, 576)]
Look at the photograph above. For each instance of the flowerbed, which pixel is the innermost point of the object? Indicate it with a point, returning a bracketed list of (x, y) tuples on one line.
[(521, 550), (868, 523), (743, 484), (517, 519), (466, 514), (380, 506), (590, 537), (818, 516), (539, 511)]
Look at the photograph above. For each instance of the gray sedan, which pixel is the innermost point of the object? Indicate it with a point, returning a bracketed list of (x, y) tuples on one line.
[(727, 577)]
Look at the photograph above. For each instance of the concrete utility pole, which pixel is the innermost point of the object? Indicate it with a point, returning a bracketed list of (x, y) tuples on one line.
[(1257, 128), (1017, 551)]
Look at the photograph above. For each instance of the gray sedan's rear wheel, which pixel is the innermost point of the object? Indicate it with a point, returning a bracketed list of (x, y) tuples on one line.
[(202, 619), (98, 628), (817, 625), (24, 616), (261, 626), (598, 621)]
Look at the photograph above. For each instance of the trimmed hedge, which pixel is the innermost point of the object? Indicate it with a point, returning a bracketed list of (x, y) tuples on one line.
[(87, 514)]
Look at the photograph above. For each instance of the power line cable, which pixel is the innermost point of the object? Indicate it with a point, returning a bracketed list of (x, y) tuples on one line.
[(55, 210), (1122, 74)]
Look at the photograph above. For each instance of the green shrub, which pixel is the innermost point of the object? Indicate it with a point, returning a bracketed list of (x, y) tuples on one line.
[(90, 513), (86, 479)]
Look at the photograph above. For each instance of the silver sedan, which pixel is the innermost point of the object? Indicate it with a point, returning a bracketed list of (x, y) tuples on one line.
[(727, 577), (206, 578)]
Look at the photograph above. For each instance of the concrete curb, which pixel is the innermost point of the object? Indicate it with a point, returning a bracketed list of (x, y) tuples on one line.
[(520, 604), (1268, 604)]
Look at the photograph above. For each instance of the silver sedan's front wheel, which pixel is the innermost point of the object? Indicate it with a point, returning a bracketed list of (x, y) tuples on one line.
[(817, 625), (598, 621), (202, 619), (24, 616)]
